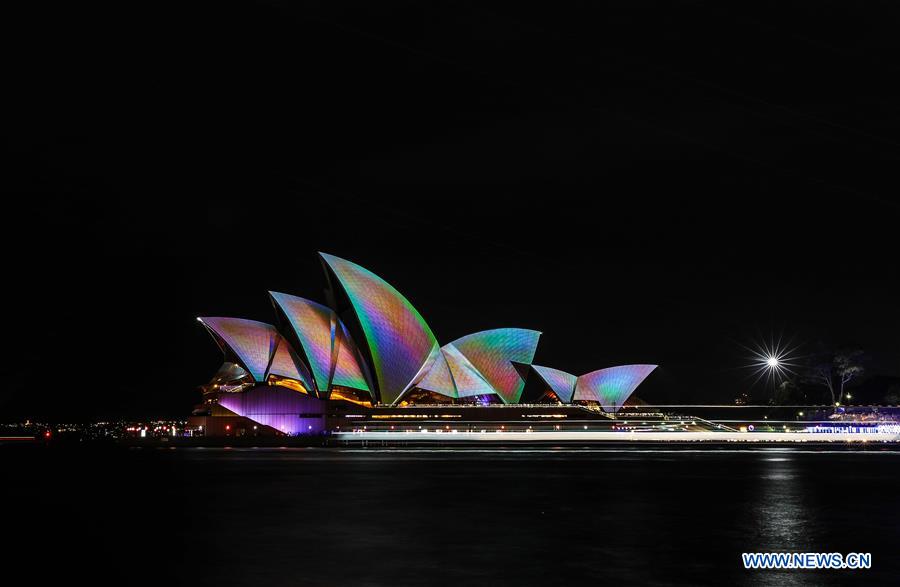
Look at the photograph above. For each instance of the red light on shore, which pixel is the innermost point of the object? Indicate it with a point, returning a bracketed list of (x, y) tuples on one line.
[(47, 434), (227, 427)]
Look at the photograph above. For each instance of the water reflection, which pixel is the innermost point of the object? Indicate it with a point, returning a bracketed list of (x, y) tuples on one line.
[(483, 517), (780, 514)]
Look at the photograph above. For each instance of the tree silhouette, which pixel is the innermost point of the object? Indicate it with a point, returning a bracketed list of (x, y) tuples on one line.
[(835, 370)]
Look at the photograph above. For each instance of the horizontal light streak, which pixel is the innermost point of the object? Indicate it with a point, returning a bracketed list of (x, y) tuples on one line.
[(502, 436)]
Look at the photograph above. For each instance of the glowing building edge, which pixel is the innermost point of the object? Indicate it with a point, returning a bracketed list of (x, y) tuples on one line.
[(371, 348)]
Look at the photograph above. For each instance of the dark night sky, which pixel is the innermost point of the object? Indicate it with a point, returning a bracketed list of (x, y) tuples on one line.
[(643, 182)]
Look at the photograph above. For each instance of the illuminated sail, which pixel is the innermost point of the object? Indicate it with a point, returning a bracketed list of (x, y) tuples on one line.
[(493, 353), (468, 381), (562, 383), (325, 341), (286, 363), (438, 378), (252, 342), (612, 386), (399, 339)]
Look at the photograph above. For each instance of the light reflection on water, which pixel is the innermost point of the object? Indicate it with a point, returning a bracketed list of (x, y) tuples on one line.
[(480, 516), (656, 516)]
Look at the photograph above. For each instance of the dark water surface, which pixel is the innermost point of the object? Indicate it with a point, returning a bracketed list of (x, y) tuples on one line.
[(337, 517)]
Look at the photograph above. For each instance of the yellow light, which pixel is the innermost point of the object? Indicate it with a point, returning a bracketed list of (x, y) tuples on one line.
[(288, 383), (339, 394)]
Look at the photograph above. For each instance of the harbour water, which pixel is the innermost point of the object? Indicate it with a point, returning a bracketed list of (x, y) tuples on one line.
[(446, 516)]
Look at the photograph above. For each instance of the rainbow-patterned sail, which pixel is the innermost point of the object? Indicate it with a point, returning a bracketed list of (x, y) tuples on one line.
[(438, 378), (612, 386), (493, 352), (325, 342), (286, 363), (399, 339), (468, 380), (259, 349), (252, 343), (562, 383), (403, 354)]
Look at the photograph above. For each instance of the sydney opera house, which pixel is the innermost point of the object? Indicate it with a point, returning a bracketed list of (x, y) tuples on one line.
[(367, 359)]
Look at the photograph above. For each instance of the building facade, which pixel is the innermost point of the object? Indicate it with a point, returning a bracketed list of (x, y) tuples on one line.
[(368, 349)]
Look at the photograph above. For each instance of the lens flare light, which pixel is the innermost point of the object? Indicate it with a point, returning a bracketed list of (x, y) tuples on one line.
[(773, 361)]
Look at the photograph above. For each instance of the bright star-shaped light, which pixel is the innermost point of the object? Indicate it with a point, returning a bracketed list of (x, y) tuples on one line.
[(774, 361)]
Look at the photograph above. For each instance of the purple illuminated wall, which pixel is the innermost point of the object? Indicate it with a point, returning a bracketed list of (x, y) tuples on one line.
[(283, 409)]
